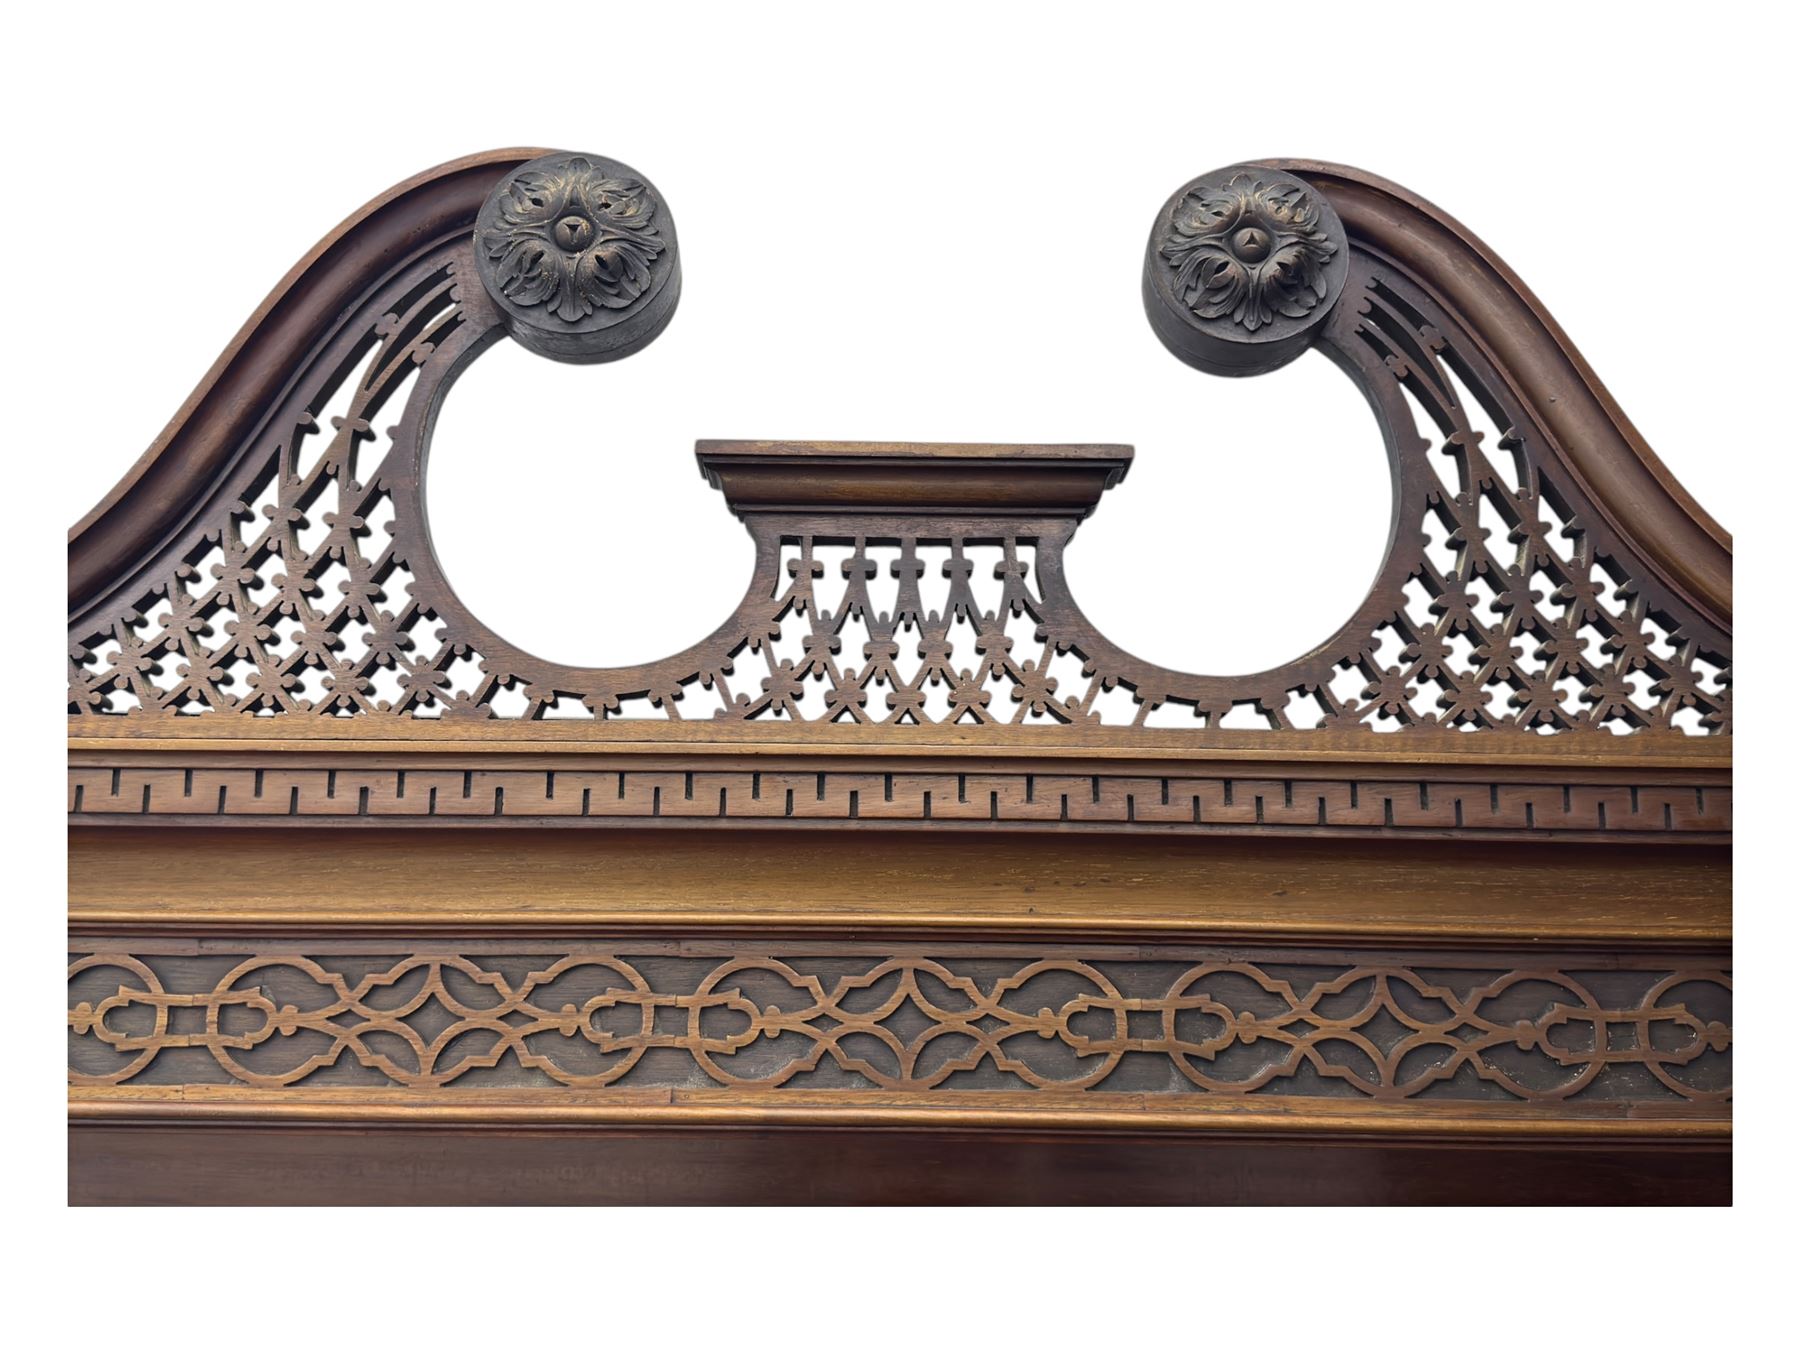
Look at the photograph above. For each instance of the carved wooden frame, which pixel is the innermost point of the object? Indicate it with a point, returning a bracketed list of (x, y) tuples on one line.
[(904, 917)]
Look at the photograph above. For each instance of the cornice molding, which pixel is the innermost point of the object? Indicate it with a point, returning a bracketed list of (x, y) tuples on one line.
[(759, 1109), (310, 791), (886, 477)]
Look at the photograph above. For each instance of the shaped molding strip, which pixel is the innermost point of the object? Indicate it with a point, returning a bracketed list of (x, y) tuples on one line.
[(365, 790)]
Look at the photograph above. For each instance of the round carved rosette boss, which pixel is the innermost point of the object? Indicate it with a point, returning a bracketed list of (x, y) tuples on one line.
[(578, 253), (1243, 267)]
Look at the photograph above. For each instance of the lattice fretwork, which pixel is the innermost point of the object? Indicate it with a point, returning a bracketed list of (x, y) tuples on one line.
[(1504, 603)]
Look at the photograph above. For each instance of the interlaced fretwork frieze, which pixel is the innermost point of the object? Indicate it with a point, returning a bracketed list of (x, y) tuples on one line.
[(937, 1020)]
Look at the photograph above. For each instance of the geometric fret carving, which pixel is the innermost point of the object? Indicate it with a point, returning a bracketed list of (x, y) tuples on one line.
[(641, 796), (271, 677), (924, 1021), (1505, 603), (295, 598)]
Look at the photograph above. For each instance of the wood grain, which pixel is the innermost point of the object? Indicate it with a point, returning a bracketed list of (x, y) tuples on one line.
[(1583, 422), (325, 1166), (196, 880), (945, 1021), (829, 791), (1351, 749), (249, 373), (1591, 1123)]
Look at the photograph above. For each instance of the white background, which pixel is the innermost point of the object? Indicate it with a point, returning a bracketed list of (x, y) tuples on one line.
[(928, 227), (929, 232)]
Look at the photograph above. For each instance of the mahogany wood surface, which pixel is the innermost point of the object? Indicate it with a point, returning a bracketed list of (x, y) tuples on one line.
[(1631, 485), (315, 1166), (1447, 892), (367, 905)]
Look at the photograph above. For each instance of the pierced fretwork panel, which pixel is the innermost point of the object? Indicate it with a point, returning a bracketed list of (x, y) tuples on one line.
[(908, 630), (295, 599), (925, 1020), (1517, 611), (311, 589)]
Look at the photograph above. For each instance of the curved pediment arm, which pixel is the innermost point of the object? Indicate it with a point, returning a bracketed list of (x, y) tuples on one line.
[(1581, 422), (271, 554), (904, 850), (171, 479)]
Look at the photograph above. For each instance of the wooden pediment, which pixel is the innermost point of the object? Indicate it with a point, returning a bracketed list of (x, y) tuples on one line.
[(905, 845)]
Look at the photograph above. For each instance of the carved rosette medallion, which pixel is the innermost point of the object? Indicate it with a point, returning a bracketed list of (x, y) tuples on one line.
[(1242, 268), (579, 254)]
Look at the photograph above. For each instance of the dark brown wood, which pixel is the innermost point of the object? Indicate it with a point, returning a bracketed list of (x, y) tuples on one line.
[(235, 1166), (1023, 1028), (714, 791), (234, 396), (1580, 420), (904, 883), (1505, 604), (884, 479), (579, 254), (1243, 267)]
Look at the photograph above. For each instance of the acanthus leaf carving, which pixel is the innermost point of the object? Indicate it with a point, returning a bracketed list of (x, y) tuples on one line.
[(573, 238), (1249, 250)]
